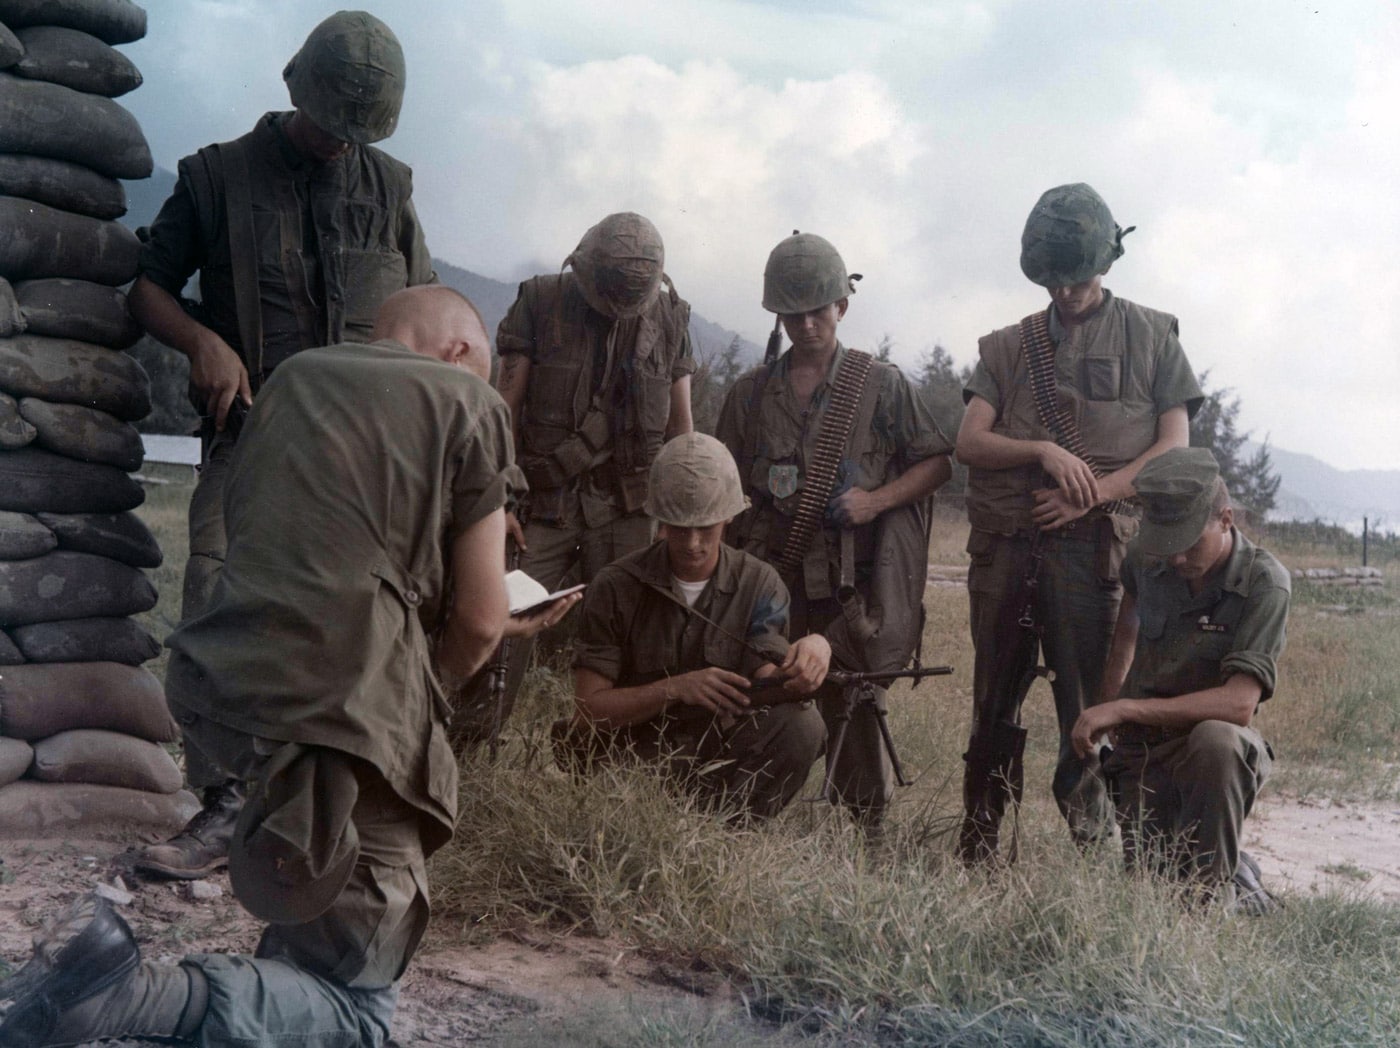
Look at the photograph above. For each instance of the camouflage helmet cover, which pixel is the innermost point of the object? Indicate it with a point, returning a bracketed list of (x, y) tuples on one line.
[(805, 272), (694, 483), (619, 265), (349, 77), (1070, 237)]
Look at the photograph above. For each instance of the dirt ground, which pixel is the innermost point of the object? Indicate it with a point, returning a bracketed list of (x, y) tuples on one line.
[(527, 990)]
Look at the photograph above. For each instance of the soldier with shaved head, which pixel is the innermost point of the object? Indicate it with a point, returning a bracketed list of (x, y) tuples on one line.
[(299, 230)]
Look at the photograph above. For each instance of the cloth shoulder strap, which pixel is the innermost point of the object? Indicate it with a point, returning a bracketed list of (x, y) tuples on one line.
[(1038, 349), (749, 452), (238, 206), (820, 476)]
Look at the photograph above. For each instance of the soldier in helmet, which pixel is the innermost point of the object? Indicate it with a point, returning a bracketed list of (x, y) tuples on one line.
[(671, 638), (595, 368), (856, 572), (1063, 410), (298, 230)]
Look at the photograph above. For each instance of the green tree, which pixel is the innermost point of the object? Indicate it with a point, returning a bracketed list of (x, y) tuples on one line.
[(1251, 479), (941, 382), (715, 371)]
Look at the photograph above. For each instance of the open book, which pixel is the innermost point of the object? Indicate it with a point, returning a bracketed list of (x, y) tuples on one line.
[(526, 595)]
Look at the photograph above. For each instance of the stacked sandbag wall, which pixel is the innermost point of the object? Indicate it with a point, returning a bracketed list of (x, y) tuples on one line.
[(81, 722)]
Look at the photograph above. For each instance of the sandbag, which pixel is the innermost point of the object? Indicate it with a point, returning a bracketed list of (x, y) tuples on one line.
[(36, 481), (57, 183), (63, 371), (79, 309), (11, 50), (14, 431), (42, 241), (39, 701), (51, 120), (85, 640), (10, 655), (23, 536), (111, 21), (84, 433), (105, 758), (49, 809), (75, 59), (15, 758), (63, 585), (12, 320), (121, 536)]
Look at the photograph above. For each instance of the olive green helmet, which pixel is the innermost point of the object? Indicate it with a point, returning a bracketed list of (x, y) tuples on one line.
[(694, 483), (619, 265), (349, 77), (1070, 237), (804, 272)]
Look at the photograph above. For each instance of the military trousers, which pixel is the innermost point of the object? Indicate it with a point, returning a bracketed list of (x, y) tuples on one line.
[(552, 553), (861, 772), (208, 548), (1182, 802), (1075, 607), (331, 982), (752, 766)]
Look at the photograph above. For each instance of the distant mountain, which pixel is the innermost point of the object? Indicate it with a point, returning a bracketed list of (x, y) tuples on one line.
[(1312, 489)]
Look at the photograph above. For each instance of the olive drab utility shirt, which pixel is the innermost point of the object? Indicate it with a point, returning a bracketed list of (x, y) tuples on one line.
[(891, 432), (1235, 625), (573, 476), (1120, 371), (332, 240), (358, 468), (630, 634)]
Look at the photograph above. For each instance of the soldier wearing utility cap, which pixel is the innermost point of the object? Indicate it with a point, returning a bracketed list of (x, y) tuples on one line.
[(856, 560), (595, 368), (299, 230), (1195, 651), (1063, 410), (672, 636)]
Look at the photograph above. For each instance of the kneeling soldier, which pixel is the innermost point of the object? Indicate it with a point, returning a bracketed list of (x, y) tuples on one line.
[(672, 637), (1194, 653)]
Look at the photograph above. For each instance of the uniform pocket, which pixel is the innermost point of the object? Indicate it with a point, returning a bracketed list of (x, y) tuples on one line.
[(1103, 378)]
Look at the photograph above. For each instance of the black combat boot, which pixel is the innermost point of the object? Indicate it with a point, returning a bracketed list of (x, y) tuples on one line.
[(86, 982), (993, 777), (201, 847)]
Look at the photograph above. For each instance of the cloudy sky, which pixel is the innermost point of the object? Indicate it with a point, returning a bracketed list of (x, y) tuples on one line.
[(1253, 144)]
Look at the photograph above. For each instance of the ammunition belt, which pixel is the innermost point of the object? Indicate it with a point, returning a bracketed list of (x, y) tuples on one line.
[(1039, 351), (820, 475)]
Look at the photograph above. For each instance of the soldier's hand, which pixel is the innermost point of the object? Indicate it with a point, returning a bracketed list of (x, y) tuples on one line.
[(219, 375), (806, 664), (1093, 724), (1071, 474), (516, 532), (1052, 510), (855, 506), (719, 691), (541, 619)]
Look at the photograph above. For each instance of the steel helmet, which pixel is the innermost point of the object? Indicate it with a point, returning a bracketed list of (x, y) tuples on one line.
[(349, 77), (619, 265), (694, 483), (1070, 237), (804, 272)]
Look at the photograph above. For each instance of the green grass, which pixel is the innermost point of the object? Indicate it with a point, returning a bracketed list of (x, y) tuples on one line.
[(827, 941)]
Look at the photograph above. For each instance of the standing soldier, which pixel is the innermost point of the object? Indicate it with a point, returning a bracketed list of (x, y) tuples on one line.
[(1063, 410), (595, 368), (299, 231), (846, 527)]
